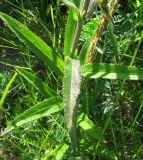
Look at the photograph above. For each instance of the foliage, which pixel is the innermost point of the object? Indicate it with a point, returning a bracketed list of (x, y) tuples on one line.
[(100, 107)]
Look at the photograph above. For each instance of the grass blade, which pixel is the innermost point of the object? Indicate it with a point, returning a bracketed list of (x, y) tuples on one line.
[(35, 43), (38, 83), (72, 5), (45, 108), (70, 30), (112, 71), (7, 89)]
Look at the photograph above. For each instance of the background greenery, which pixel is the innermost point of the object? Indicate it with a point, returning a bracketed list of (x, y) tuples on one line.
[(113, 107)]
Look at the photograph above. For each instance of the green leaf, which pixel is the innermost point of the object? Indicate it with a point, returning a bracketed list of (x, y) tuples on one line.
[(58, 152), (72, 5), (87, 125), (84, 51), (1, 75), (103, 151), (38, 83), (61, 151), (71, 88), (7, 89), (70, 30), (112, 71), (45, 108), (35, 43)]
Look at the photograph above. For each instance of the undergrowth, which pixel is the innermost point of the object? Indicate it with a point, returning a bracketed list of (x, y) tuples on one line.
[(104, 120)]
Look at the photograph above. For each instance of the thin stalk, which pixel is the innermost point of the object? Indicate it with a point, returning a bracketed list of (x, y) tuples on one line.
[(79, 28), (136, 51)]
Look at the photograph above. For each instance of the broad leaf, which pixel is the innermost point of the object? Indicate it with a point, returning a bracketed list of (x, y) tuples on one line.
[(35, 43), (112, 71), (45, 108), (38, 83), (71, 88)]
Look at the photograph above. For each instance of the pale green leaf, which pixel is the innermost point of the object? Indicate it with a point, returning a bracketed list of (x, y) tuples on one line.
[(87, 125), (71, 90), (112, 71)]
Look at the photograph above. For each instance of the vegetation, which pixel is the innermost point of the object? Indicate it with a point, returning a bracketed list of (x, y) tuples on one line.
[(71, 79)]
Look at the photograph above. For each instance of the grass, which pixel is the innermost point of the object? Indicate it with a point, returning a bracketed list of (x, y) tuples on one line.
[(109, 121)]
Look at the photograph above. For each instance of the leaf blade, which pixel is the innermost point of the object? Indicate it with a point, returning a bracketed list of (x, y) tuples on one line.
[(40, 110), (38, 83), (35, 43), (112, 71)]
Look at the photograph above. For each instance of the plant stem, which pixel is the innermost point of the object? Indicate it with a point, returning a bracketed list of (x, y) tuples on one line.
[(79, 28)]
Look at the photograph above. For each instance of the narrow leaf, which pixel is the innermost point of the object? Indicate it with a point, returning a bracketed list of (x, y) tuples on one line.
[(84, 51), (72, 5), (38, 83), (112, 71), (61, 151), (35, 43), (69, 34), (71, 87), (7, 89), (45, 108)]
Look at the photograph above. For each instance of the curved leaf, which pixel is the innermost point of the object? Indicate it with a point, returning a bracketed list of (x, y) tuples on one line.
[(38, 83), (72, 5), (45, 108), (35, 43), (7, 89)]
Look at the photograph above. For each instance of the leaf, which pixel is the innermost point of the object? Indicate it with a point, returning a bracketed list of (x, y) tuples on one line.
[(61, 151), (103, 151), (7, 89), (87, 125), (71, 88), (72, 5), (112, 71), (35, 43), (38, 83), (70, 30), (1, 75), (58, 152), (84, 51), (42, 109)]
